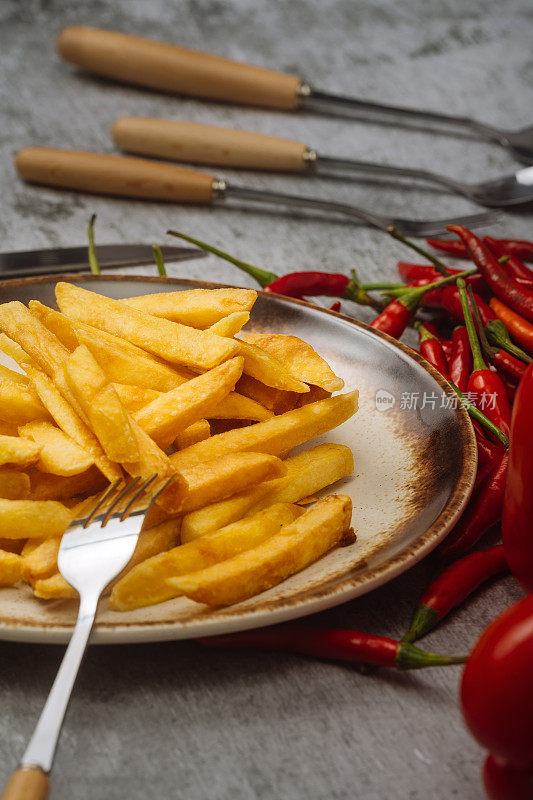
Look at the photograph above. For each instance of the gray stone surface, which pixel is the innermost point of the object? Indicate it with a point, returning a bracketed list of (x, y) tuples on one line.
[(172, 720)]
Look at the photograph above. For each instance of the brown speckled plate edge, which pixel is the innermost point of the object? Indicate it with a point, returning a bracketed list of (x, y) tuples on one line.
[(362, 582)]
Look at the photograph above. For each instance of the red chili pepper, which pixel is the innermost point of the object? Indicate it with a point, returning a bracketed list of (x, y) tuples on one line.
[(335, 306), (502, 781), (485, 387), (447, 347), (518, 504), (518, 248), (431, 349), (496, 695), (334, 644), (519, 298), (520, 329), (488, 454), (395, 317), (512, 265), (510, 388), (460, 360), (448, 299), (421, 272), (514, 247), (483, 511), (508, 365), (452, 586)]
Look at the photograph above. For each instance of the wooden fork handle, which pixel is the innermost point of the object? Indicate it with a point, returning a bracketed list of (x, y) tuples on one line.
[(27, 783), (195, 143), (100, 173), (168, 67)]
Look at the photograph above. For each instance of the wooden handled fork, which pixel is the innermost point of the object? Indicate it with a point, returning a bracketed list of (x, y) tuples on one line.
[(93, 551)]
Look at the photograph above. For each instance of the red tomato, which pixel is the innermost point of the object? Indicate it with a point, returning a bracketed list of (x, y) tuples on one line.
[(504, 782), (497, 686)]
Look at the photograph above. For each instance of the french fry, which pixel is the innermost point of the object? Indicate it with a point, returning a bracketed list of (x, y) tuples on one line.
[(31, 519), (14, 485), (276, 435), (10, 568), (15, 351), (230, 325), (12, 545), (18, 452), (299, 358), (297, 545), (69, 422), (198, 308), (150, 543), (315, 393), (237, 406), (196, 432), (41, 562), (59, 454), (174, 411), (227, 475), (133, 398), (153, 461), (11, 375), (19, 403), (45, 486), (7, 429), (276, 400), (267, 369), (146, 584), (36, 340), (172, 341), (307, 473), (57, 323)]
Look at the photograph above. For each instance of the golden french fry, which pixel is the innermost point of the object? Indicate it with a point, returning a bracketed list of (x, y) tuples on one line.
[(172, 341), (299, 359), (11, 375), (153, 461), (69, 422), (276, 435), (307, 473), (59, 455), (36, 340), (57, 323), (267, 369), (31, 519), (41, 562), (14, 485), (54, 588), (276, 400), (174, 411), (7, 429), (15, 351), (19, 403), (133, 398), (315, 393), (237, 406), (146, 584), (10, 568), (198, 308), (45, 486), (17, 451), (196, 432), (297, 545), (227, 475), (230, 325)]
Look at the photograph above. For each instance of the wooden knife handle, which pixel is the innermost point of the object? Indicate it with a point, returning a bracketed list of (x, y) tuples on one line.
[(27, 783), (208, 144), (157, 65), (116, 175)]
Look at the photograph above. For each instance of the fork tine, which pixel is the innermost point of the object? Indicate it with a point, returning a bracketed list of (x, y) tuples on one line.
[(124, 493), (162, 489), (105, 496), (140, 490)]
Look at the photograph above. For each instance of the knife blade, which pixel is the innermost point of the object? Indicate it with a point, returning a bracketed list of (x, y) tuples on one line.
[(24, 263)]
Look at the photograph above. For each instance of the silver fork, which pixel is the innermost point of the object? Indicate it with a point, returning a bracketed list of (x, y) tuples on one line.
[(93, 552)]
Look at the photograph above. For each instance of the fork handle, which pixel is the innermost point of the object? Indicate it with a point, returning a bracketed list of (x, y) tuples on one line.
[(27, 783), (170, 68), (195, 143)]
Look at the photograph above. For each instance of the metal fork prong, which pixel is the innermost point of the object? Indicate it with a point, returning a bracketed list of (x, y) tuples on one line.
[(118, 499), (104, 497), (162, 489), (141, 489)]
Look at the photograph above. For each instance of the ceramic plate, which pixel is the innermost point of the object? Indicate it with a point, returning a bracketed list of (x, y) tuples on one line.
[(415, 462)]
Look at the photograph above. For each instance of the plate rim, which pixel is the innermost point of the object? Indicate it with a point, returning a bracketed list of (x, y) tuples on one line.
[(348, 589)]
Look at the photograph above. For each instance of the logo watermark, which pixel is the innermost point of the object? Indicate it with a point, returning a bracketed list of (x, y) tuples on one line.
[(414, 401), (384, 400)]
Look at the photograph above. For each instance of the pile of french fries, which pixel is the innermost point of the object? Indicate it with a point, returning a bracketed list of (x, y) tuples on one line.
[(161, 384)]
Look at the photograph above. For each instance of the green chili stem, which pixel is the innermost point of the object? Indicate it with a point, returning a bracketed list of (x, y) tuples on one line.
[(498, 335), (477, 355), (159, 260), (262, 276), (437, 263), (421, 290), (423, 332), (480, 417), (489, 351), (93, 259), (371, 287)]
